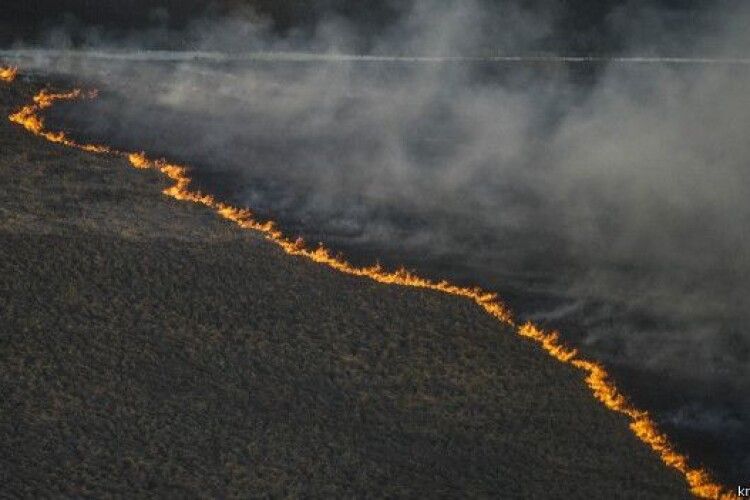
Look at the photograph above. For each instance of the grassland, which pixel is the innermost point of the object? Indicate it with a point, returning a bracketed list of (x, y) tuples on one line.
[(149, 349)]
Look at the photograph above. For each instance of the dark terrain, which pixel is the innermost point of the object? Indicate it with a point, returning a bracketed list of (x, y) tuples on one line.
[(150, 349)]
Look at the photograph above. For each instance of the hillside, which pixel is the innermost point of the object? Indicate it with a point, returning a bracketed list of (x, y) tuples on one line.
[(150, 349)]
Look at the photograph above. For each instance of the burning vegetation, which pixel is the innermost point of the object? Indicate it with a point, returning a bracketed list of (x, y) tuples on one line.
[(597, 378), (8, 74)]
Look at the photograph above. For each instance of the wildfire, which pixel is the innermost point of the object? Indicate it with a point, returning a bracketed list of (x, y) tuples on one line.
[(28, 117), (597, 378), (8, 74)]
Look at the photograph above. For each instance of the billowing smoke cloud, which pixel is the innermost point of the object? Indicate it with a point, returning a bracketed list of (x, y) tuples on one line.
[(611, 200)]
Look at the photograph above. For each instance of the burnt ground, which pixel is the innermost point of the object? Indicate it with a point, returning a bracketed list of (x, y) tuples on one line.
[(150, 349)]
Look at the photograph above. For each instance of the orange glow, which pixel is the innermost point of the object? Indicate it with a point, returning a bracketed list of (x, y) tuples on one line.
[(642, 425), (597, 378), (28, 117), (8, 74)]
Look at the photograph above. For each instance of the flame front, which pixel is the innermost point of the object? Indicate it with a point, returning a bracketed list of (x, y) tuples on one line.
[(8, 74), (597, 378), (28, 117)]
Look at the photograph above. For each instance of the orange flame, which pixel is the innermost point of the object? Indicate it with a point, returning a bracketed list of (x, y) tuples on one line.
[(8, 74), (597, 378), (28, 117)]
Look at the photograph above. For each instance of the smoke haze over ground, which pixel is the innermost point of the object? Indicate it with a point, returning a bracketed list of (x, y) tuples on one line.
[(609, 200)]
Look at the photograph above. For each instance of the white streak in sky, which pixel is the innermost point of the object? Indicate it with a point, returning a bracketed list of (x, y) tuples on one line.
[(219, 57)]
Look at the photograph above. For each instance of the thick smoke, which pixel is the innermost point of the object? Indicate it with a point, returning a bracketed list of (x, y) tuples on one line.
[(610, 200)]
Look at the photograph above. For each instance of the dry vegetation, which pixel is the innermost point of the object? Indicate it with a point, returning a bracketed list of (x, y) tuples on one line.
[(149, 349)]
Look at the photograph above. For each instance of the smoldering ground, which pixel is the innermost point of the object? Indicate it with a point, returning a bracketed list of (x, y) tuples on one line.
[(608, 200)]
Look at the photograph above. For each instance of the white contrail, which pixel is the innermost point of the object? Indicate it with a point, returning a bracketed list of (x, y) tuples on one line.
[(218, 57)]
